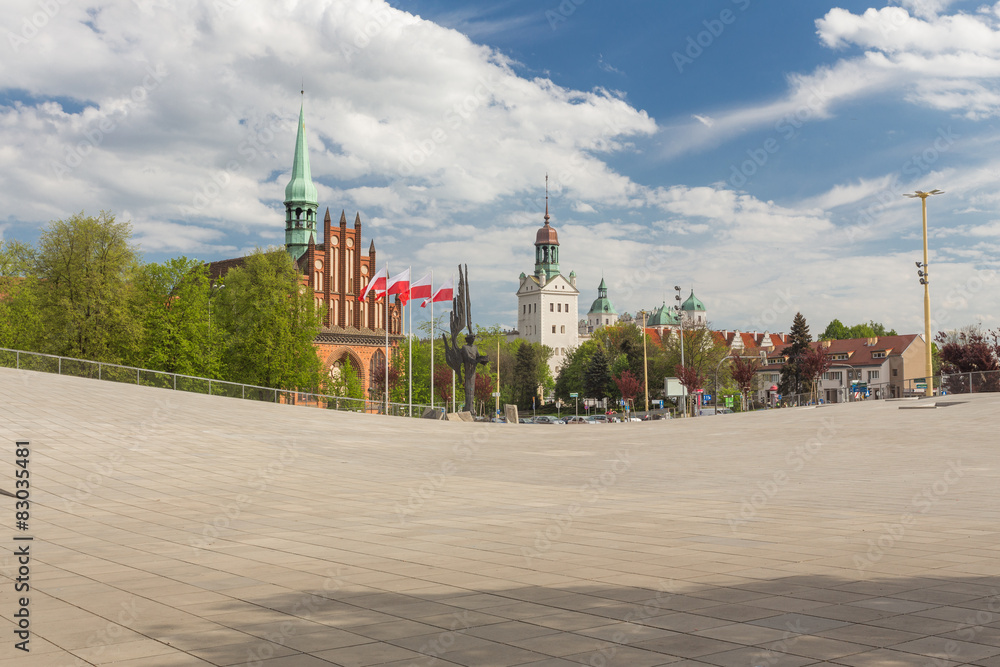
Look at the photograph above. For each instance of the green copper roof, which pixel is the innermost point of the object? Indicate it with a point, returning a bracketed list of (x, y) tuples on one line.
[(602, 305), (603, 285), (301, 188), (663, 317), (693, 303)]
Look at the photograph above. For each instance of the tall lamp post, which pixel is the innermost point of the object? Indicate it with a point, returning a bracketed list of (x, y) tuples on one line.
[(645, 363), (922, 272), (680, 318)]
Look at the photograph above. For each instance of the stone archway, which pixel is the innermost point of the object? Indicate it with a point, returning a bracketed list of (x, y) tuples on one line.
[(334, 362)]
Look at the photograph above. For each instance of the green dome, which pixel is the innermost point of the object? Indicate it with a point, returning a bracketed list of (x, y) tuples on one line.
[(693, 304), (301, 188), (602, 305), (663, 317)]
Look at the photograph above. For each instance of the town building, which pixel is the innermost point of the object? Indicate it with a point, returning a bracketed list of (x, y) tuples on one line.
[(877, 367), (602, 312), (547, 301), (337, 271)]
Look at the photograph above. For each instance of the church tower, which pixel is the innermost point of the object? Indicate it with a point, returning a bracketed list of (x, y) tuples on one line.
[(547, 300), (301, 199)]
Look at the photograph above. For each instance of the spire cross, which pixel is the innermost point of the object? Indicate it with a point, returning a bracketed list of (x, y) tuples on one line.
[(546, 198)]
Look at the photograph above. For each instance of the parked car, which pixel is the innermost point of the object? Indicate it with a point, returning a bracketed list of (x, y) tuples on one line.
[(599, 419), (709, 411), (578, 420), (525, 420), (548, 419)]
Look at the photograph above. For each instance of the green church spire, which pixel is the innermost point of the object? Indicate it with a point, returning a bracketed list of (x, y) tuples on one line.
[(301, 198)]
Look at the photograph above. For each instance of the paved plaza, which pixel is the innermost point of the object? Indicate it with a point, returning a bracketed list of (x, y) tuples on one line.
[(174, 529)]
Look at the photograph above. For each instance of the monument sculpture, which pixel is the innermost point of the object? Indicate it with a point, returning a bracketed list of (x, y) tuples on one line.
[(463, 360)]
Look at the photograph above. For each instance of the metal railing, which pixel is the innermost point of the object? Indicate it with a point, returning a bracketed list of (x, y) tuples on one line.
[(99, 370), (975, 382)]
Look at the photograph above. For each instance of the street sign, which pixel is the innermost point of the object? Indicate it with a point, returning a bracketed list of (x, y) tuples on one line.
[(574, 395), (707, 397), (496, 394), (921, 385)]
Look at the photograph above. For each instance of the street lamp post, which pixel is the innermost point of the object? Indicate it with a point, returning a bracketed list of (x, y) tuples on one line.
[(645, 362), (847, 387), (925, 281), (717, 367), (680, 318)]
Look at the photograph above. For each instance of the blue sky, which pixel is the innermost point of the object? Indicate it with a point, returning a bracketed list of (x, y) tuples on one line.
[(755, 152)]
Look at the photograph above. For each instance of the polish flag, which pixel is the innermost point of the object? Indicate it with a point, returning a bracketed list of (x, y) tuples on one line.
[(376, 284), (445, 293), (399, 284), (421, 289)]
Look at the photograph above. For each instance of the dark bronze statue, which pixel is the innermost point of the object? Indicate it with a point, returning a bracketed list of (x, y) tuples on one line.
[(463, 360)]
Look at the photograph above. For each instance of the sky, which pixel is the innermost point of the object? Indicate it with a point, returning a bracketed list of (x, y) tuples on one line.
[(757, 153)]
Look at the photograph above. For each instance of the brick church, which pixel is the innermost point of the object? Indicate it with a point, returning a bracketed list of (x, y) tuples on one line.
[(337, 272)]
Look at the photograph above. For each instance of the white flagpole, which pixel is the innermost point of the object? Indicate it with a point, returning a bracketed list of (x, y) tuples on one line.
[(386, 338), (453, 370), (409, 337), (432, 341)]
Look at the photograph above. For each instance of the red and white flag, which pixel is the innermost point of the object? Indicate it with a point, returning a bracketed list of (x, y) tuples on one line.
[(445, 293), (420, 289), (399, 284), (376, 284)]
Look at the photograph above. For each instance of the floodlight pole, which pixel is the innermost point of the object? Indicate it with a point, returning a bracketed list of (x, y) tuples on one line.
[(925, 280)]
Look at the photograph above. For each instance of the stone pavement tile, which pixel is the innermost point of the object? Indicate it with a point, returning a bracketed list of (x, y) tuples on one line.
[(54, 659), (737, 612), (888, 658), (568, 620), (850, 613), (107, 653), (977, 634), (626, 633), (686, 646), (397, 629), (684, 622), (374, 653), (560, 644), (744, 633), (821, 648), (893, 605), (299, 660), (912, 623), (755, 656), (625, 655), (207, 638), (958, 615), (238, 654), (799, 623), (948, 649), (176, 659)]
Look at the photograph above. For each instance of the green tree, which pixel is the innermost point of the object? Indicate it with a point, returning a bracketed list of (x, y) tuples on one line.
[(792, 376), (20, 320), (573, 368), (525, 375), (268, 320), (836, 330), (174, 308), (84, 266), (597, 380)]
